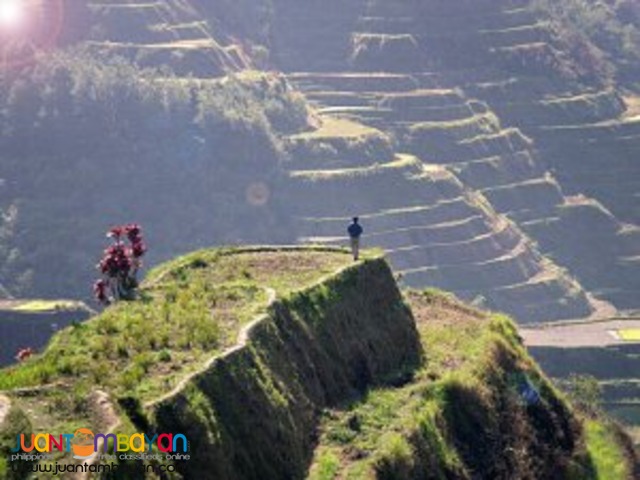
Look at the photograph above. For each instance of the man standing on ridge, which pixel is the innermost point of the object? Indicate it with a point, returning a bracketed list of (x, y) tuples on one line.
[(355, 231)]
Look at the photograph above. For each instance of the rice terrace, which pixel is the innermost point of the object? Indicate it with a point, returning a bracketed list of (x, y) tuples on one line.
[(320, 239)]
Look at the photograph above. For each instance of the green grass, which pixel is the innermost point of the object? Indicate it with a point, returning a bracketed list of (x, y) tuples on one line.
[(189, 310), (470, 356), (608, 461), (192, 309), (43, 306), (377, 427), (395, 458), (326, 467)]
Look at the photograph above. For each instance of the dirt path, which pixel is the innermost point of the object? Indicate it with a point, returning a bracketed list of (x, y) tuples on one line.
[(109, 421), (243, 337), (577, 335)]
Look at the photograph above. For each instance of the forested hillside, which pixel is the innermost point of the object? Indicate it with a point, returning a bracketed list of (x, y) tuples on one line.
[(88, 142)]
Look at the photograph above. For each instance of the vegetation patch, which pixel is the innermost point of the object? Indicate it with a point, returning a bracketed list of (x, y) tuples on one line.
[(467, 396), (45, 306), (125, 119), (189, 311), (598, 32), (609, 462)]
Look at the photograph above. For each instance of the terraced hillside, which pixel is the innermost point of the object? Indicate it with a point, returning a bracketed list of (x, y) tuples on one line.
[(159, 33), (274, 362), (412, 71), (531, 83), (594, 349), (436, 231), (417, 129), (584, 133)]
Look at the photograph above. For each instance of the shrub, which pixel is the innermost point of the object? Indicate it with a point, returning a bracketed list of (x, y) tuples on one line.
[(396, 461), (585, 392), (120, 264)]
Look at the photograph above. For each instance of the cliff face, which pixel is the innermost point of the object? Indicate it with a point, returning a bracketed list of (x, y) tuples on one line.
[(465, 414)]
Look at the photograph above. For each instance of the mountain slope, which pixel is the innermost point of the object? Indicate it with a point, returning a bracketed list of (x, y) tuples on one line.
[(461, 119), (336, 333), (449, 82), (88, 143), (464, 414)]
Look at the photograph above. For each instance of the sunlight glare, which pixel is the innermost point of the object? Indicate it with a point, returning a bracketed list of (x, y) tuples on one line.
[(11, 12)]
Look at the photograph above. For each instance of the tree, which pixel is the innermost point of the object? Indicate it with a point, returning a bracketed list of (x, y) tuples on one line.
[(586, 392), (120, 264)]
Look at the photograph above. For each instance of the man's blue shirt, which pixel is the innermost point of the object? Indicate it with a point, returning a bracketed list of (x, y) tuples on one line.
[(355, 230)]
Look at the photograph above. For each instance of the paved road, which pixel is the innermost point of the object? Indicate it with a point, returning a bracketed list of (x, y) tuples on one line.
[(576, 335)]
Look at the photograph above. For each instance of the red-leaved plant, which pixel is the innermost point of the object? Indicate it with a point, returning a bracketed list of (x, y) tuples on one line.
[(120, 264), (24, 354)]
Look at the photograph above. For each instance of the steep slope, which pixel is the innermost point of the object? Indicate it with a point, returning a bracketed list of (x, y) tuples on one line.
[(464, 414), (401, 68), (284, 334), (583, 136)]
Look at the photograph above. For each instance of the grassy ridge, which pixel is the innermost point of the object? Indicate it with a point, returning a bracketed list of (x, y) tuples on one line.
[(462, 416), (341, 377), (188, 311), (253, 414)]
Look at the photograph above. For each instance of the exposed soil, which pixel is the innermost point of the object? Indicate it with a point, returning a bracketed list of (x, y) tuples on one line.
[(438, 310)]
